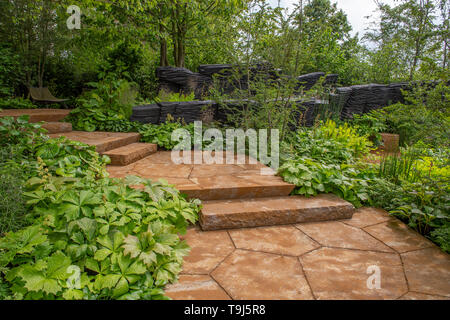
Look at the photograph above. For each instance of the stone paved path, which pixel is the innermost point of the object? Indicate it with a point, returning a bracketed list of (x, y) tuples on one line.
[(325, 260)]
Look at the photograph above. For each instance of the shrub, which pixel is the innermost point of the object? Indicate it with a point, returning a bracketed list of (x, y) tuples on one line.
[(109, 102)]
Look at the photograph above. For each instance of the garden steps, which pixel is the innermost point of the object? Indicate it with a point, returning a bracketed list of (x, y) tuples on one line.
[(130, 153), (103, 141), (236, 195), (37, 115), (269, 211)]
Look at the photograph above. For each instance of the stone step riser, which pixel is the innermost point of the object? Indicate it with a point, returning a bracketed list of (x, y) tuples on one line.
[(258, 212), (130, 153)]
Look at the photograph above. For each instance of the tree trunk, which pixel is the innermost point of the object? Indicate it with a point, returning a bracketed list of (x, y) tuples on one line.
[(180, 52), (163, 61)]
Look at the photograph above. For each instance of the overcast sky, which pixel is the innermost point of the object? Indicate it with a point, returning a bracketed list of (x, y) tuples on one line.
[(356, 11)]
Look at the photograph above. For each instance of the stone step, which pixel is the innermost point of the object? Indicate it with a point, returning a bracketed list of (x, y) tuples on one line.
[(103, 141), (37, 115), (241, 213), (57, 127), (222, 187), (130, 153)]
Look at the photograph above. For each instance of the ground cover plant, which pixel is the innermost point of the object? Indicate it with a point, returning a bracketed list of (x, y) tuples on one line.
[(83, 235)]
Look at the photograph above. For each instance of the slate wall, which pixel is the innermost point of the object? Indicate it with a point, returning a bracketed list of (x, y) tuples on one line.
[(350, 100)]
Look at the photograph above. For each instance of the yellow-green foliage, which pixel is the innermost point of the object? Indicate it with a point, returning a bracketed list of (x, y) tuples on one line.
[(346, 135), (433, 167)]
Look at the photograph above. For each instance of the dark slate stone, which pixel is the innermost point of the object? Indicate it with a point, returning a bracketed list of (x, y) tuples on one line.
[(144, 120), (210, 69), (167, 108), (395, 93), (308, 80), (191, 111), (356, 103), (305, 113), (378, 97), (331, 79), (146, 110)]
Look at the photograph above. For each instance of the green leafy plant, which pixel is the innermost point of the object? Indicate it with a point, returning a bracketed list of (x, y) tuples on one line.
[(328, 142), (424, 116), (12, 204), (166, 96), (369, 125), (89, 237), (107, 107), (161, 134), (401, 166), (442, 237), (16, 103), (312, 177)]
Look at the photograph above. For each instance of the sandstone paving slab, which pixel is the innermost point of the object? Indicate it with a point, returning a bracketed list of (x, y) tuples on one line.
[(264, 179), (208, 249), (340, 235), (180, 183), (428, 271), (103, 141), (364, 217), (162, 157), (281, 240), (215, 169), (253, 212), (164, 170), (120, 171), (398, 236), (252, 166), (196, 287), (57, 127), (130, 153), (262, 276), (422, 296), (166, 157), (342, 274)]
